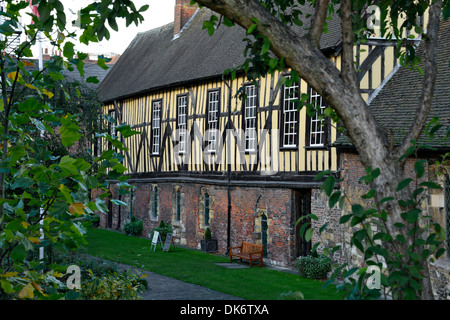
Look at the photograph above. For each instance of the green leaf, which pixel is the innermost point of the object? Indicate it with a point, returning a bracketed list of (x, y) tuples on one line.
[(446, 12), (143, 8), (309, 234), (403, 184), (91, 182), (92, 79), (23, 182), (6, 286), (273, 63), (370, 194), (102, 64), (69, 131), (358, 210), (419, 168), (251, 29), (17, 153), (386, 199), (126, 131), (118, 202), (430, 185), (345, 219), (360, 235), (113, 24), (328, 185), (68, 50), (413, 215), (334, 199)]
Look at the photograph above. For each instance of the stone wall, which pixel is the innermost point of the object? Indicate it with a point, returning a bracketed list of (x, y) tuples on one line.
[(336, 234)]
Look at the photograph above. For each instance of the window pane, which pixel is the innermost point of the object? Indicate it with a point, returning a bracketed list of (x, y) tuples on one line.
[(250, 118), (317, 125), (182, 109), (156, 126), (290, 115), (213, 117)]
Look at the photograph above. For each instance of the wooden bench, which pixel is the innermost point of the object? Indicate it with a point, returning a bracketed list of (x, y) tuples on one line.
[(248, 251)]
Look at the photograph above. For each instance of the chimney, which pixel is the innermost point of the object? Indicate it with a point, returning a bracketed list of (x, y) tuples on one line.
[(183, 12)]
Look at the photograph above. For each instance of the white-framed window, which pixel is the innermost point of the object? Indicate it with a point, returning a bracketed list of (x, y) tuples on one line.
[(182, 122), (250, 104), (317, 130), (156, 126), (290, 115), (213, 120)]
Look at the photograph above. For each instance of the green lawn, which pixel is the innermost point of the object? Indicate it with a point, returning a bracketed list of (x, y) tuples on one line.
[(197, 267)]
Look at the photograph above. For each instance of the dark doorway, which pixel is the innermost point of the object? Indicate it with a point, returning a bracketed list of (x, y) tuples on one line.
[(264, 233), (302, 208)]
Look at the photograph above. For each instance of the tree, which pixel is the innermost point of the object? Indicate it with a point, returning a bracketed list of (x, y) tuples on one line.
[(43, 193), (270, 21)]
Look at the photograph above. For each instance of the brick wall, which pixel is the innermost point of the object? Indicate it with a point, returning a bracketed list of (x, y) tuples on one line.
[(248, 207), (183, 12)]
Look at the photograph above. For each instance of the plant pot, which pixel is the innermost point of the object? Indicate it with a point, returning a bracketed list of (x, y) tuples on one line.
[(209, 245)]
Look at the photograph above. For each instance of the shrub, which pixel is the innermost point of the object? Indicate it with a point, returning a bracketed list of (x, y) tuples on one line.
[(208, 235), (163, 229), (117, 286), (314, 267), (100, 279), (134, 227)]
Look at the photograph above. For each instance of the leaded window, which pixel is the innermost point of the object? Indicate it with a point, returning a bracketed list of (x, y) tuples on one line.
[(250, 104), (156, 126), (290, 116), (317, 133), (182, 122), (213, 120)]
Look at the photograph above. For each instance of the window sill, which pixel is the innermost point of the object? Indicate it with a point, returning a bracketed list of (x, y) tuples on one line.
[(293, 148), (316, 147)]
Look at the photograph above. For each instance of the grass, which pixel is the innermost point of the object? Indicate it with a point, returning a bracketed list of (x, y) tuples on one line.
[(200, 268)]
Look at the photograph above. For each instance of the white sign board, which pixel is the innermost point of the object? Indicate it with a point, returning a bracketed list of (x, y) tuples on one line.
[(156, 239)]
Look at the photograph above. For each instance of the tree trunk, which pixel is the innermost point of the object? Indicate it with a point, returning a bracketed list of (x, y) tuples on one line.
[(342, 93)]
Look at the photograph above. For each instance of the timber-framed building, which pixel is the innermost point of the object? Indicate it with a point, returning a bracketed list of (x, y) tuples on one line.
[(205, 158)]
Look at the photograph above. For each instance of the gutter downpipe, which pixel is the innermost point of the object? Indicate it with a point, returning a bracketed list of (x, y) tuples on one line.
[(228, 126)]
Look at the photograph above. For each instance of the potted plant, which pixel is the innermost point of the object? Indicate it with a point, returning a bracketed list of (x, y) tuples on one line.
[(208, 244)]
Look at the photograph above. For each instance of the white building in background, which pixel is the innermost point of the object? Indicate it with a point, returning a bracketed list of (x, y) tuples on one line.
[(43, 44)]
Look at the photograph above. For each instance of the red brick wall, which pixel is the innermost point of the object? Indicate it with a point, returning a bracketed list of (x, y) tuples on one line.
[(277, 203), (183, 12)]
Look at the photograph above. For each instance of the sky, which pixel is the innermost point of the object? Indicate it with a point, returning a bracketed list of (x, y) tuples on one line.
[(159, 13)]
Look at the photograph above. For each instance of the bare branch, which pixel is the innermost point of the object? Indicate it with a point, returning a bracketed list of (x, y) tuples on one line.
[(430, 73), (317, 21)]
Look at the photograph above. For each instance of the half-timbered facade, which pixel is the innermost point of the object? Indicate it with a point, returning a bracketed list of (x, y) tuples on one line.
[(232, 155)]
